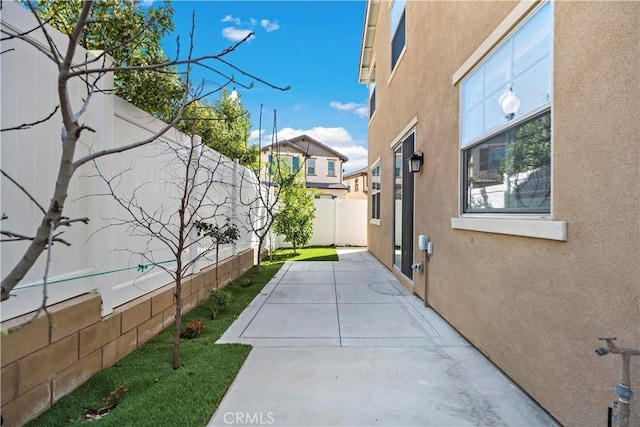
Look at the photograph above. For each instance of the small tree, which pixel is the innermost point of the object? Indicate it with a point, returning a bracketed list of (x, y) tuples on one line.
[(297, 212), (220, 235), (192, 172), (264, 205)]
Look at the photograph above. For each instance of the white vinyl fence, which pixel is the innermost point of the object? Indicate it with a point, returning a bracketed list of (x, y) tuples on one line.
[(339, 222), (117, 261)]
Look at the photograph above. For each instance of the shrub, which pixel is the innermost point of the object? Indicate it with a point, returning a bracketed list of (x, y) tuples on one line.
[(218, 299), (194, 329)]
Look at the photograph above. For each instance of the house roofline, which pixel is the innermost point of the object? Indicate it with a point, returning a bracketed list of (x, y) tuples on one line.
[(326, 185), (368, 33), (291, 142), (359, 172), (285, 143)]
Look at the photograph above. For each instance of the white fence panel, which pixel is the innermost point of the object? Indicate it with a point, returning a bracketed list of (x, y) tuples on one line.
[(324, 230), (351, 222), (337, 222)]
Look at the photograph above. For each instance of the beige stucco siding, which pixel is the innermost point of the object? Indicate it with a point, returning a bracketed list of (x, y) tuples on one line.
[(534, 306)]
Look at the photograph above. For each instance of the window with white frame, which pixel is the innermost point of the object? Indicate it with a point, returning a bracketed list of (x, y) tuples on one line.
[(375, 192), (331, 168), (505, 124), (398, 32), (311, 166)]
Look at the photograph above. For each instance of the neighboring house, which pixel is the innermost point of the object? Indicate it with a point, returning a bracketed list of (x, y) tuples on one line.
[(527, 116), (357, 184), (322, 165)]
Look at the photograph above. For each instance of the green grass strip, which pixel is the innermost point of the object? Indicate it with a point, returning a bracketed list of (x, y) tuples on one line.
[(160, 396), (310, 253)]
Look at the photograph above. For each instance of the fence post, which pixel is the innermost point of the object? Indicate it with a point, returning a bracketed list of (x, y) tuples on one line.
[(336, 218)]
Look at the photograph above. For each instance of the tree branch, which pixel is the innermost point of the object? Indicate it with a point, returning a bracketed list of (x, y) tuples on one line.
[(55, 53), (29, 125), (24, 190)]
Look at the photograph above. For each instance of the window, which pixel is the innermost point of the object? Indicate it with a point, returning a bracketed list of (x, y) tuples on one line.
[(331, 169), (311, 166), (507, 157), (372, 92), (397, 30), (375, 192), (356, 185), (348, 186), (295, 164)]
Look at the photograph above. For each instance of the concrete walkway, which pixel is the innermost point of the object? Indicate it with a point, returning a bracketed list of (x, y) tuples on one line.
[(344, 344)]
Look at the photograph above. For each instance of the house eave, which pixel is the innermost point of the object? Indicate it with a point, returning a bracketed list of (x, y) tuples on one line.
[(368, 33)]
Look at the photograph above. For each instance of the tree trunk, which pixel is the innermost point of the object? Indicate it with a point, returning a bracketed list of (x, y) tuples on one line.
[(217, 258), (54, 214), (260, 242), (178, 328)]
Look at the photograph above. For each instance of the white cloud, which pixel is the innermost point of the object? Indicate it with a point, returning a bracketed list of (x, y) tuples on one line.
[(269, 25), (343, 107), (235, 34), (253, 22), (329, 136), (230, 18), (358, 157), (359, 109), (338, 138), (362, 111)]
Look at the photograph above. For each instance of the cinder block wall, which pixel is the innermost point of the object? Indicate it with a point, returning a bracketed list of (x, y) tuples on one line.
[(38, 369)]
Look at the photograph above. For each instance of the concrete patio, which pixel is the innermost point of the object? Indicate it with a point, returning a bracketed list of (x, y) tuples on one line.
[(344, 344)]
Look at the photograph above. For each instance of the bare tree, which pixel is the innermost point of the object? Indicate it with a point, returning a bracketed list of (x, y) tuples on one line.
[(91, 71), (263, 207), (198, 177)]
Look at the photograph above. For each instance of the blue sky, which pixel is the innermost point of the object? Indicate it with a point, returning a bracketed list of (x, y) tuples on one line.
[(314, 47)]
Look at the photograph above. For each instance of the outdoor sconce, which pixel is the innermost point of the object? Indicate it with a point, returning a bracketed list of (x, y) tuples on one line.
[(510, 104), (415, 161)]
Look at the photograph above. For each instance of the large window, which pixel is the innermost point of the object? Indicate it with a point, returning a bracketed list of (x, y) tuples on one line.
[(505, 134), (375, 192), (397, 30)]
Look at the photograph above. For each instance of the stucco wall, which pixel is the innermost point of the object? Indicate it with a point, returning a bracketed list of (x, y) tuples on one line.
[(535, 307), (363, 188), (38, 367)]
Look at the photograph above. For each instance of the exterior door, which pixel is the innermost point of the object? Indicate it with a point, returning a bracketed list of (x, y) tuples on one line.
[(403, 208)]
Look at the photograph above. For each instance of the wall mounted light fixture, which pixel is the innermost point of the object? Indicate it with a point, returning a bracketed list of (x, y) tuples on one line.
[(415, 161), (509, 103)]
